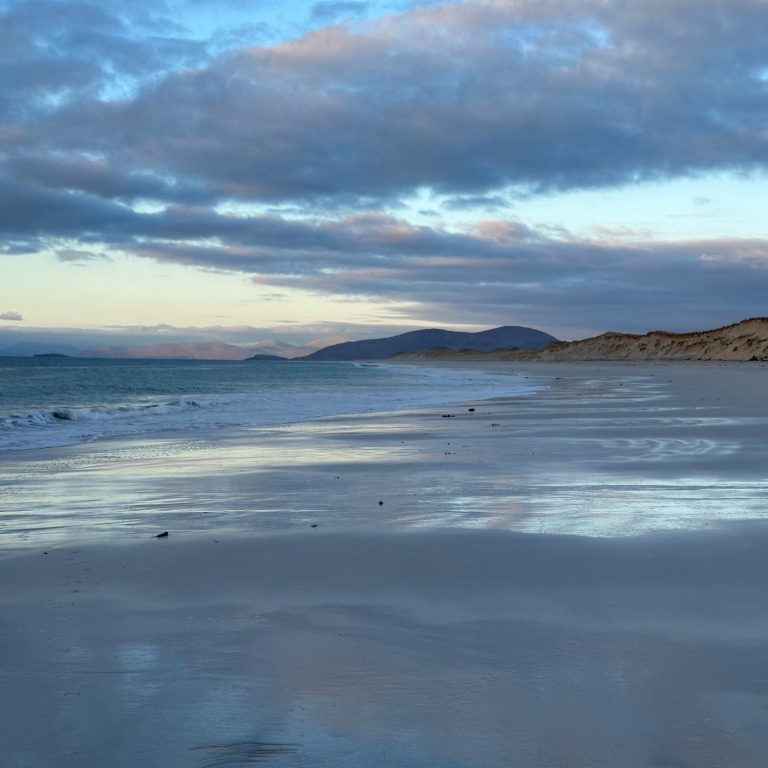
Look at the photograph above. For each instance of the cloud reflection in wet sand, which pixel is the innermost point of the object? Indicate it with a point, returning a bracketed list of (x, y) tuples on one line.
[(242, 753), (617, 455)]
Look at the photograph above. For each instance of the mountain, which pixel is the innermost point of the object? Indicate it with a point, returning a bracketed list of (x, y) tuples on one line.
[(206, 350), (746, 340), (29, 348), (176, 350), (284, 349), (266, 357), (506, 337)]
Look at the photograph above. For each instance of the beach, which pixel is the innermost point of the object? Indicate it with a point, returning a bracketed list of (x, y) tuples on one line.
[(572, 576)]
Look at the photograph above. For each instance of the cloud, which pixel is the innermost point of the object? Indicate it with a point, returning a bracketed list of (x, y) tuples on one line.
[(10, 316), (73, 255), (330, 11), (54, 53), (97, 176), (495, 271), (120, 135), (473, 202), (463, 98), (488, 273)]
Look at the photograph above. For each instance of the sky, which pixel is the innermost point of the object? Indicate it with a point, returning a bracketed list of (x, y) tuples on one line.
[(243, 170)]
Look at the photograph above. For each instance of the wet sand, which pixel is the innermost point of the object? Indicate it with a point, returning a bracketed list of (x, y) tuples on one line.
[(575, 578)]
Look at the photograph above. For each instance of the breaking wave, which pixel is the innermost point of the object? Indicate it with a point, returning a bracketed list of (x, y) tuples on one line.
[(219, 396), (45, 418), (71, 425)]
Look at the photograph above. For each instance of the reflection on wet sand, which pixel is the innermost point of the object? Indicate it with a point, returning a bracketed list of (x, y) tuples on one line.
[(621, 454), (241, 753), (459, 648), (572, 578)]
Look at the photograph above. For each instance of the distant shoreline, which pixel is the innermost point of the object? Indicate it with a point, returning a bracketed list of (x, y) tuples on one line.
[(745, 341)]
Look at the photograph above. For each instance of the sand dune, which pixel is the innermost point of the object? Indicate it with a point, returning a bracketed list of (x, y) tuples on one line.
[(746, 340)]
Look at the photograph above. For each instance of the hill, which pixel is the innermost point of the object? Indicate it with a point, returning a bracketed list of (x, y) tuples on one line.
[(506, 337), (206, 350), (32, 348), (743, 341)]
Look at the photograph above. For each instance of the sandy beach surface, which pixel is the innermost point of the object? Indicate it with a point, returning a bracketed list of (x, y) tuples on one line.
[(570, 579)]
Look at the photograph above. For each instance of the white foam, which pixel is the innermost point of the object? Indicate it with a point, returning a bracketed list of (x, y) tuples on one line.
[(294, 400)]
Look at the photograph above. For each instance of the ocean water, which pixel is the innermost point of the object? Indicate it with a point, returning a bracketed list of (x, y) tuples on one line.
[(46, 402)]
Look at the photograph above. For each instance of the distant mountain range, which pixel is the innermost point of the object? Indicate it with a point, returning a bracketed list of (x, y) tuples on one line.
[(30, 348), (176, 350), (206, 350), (506, 337), (745, 340)]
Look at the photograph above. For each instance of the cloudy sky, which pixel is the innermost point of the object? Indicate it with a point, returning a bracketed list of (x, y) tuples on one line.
[(245, 169)]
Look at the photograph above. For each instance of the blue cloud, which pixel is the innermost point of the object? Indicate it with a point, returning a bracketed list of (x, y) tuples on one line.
[(331, 10)]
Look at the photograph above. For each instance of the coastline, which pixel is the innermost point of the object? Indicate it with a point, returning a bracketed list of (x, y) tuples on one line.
[(570, 577), (59, 405)]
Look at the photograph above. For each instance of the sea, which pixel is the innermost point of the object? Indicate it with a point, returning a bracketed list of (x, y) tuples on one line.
[(55, 401)]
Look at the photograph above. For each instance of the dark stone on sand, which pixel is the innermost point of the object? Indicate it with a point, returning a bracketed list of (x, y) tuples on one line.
[(162, 535)]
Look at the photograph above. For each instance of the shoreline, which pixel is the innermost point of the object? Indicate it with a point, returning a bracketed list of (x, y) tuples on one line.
[(542, 370), (597, 429), (176, 410)]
